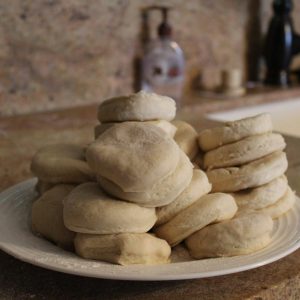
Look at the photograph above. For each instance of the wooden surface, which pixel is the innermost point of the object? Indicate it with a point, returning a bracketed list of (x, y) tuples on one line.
[(21, 136)]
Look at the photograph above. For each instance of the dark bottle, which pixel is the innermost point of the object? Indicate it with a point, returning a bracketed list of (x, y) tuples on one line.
[(281, 44)]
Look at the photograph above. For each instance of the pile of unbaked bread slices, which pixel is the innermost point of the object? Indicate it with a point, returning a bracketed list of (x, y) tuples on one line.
[(138, 189)]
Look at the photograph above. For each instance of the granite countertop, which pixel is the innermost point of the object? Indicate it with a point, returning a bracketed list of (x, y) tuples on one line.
[(21, 136)]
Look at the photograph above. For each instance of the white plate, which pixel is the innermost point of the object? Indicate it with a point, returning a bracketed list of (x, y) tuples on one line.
[(17, 240)]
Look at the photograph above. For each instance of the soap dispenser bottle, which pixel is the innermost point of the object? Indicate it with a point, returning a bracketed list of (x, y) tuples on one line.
[(163, 62)]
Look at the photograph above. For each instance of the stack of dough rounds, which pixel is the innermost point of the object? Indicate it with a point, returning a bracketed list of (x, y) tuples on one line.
[(137, 189), (245, 158)]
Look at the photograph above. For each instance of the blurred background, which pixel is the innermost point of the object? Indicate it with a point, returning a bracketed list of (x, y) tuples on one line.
[(63, 53)]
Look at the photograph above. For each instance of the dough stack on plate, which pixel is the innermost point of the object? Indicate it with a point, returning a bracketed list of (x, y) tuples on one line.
[(133, 193)]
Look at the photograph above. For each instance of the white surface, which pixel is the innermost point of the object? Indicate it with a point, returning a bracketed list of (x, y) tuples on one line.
[(285, 115), (17, 240)]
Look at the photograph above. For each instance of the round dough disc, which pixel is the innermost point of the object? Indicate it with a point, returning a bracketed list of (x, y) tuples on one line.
[(163, 192), (244, 151), (47, 216), (88, 209), (61, 163), (123, 248), (251, 175), (208, 209), (141, 106), (186, 138), (134, 156), (166, 126), (261, 196), (234, 131), (198, 187), (243, 234)]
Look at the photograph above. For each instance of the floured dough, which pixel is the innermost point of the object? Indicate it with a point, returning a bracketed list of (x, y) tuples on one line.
[(141, 106), (134, 156), (280, 207), (198, 187), (234, 131), (186, 138), (241, 235), (208, 209), (261, 196), (123, 248), (166, 126), (61, 163), (244, 151), (251, 175), (88, 209), (163, 192), (47, 216)]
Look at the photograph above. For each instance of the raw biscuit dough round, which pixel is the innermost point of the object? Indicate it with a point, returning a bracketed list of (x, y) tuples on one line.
[(62, 163), (141, 106), (134, 156), (123, 248), (47, 216), (262, 196), (88, 209), (234, 131), (162, 193), (280, 207), (186, 137), (208, 209), (198, 187), (241, 235), (166, 126), (251, 175), (244, 151)]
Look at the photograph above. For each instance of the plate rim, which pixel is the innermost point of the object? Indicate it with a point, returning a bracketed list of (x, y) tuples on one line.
[(131, 276)]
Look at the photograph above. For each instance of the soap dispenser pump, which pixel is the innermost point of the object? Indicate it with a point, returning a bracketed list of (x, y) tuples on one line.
[(163, 62)]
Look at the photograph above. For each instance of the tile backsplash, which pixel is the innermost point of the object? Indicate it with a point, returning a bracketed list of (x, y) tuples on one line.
[(64, 53)]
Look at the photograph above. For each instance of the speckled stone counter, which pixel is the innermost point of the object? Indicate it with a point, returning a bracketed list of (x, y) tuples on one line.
[(21, 136)]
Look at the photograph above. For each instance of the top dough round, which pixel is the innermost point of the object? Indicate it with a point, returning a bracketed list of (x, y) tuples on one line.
[(141, 106), (61, 163), (186, 138), (87, 209), (133, 155), (234, 131)]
